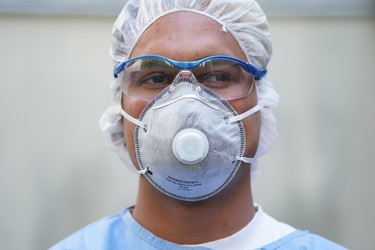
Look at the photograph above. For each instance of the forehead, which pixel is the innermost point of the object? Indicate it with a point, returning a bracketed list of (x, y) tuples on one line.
[(187, 36)]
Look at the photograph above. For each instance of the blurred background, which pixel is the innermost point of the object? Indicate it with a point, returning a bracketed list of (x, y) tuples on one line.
[(57, 175)]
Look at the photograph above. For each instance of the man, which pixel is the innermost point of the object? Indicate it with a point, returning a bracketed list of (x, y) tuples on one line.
[(192, 118)]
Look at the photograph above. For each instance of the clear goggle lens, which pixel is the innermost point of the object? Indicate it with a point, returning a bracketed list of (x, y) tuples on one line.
[(148, 76)]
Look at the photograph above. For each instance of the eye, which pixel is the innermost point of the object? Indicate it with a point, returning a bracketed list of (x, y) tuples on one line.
[(154, 79), (219, 77), (217, 80)]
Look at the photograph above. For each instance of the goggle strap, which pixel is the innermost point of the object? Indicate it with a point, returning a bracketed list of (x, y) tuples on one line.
[(248, 113), (260, 73), (132, 119)]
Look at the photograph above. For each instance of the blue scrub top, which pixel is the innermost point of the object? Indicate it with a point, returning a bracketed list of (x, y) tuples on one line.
[(122, 231)]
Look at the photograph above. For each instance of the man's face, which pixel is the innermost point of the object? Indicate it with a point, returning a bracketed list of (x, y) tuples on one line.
[(186, 36)]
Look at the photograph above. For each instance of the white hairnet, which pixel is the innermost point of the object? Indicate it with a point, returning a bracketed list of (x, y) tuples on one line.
[(244, 19)]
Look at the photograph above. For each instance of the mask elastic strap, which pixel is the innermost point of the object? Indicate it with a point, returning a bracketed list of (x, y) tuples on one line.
[(242, 116), (246, 159), (132, 119)]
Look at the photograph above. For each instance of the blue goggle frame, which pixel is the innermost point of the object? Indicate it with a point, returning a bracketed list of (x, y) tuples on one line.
[(257, 73)]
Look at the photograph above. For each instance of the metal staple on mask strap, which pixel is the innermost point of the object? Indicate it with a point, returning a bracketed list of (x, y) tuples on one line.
[(144, 171)]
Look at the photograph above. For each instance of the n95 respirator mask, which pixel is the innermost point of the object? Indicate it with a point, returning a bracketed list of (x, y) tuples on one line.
[(189, 142)]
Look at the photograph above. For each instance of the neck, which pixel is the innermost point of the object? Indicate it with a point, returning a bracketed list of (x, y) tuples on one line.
[(196, 222)]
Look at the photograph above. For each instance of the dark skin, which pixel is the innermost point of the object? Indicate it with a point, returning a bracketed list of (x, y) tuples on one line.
[(186, 36)]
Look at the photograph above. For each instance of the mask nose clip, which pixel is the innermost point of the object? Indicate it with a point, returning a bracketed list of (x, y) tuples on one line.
[(184, 80), (185, 76)]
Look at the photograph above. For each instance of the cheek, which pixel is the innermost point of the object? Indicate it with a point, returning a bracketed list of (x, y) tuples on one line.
[(133, 106), (251, 123), (252, 130)]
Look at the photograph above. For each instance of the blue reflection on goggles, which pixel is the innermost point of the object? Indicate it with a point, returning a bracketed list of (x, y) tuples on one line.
[(257, 73)]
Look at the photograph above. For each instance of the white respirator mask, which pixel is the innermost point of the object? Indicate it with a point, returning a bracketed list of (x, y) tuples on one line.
[(189, 141)]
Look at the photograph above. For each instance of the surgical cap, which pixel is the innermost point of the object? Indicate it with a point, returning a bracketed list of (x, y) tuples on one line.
[(244, 19)]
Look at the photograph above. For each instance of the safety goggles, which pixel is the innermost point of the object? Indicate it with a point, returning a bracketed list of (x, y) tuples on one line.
[(146, 76)]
